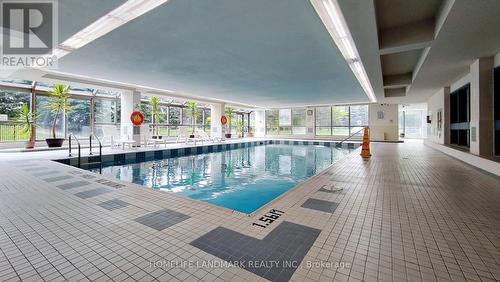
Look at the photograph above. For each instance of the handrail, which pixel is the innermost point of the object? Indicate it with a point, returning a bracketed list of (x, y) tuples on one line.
[(100, 145), (350, 136), (79, 148)]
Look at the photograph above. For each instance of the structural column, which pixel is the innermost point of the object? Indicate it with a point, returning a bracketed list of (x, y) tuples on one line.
[(130, 101), (481, 110), (216, 127), (260, 123)]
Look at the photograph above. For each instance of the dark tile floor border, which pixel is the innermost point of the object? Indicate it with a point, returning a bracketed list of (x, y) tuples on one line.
[(57, 178), (276, 257), (74, 184), (92, 193)]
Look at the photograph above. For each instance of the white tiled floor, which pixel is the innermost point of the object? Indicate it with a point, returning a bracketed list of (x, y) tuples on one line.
[(409, 213)]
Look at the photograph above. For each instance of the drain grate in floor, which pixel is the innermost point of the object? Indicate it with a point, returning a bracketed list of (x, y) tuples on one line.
[(320, 205)]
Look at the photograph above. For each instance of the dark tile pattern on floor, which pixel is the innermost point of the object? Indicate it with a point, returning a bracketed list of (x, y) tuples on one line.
[(320, 205), (35, 168), (88, 176), (74, 184), (110, 183), (57, 178), (47, 172), (113, 204), (275, 257), (326, 190), (162, 219), (92, 193)]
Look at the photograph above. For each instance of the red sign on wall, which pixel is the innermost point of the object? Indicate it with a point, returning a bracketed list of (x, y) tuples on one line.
[(137, 118)]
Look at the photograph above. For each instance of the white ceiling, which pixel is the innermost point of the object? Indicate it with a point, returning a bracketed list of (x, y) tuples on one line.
[(277, 53)]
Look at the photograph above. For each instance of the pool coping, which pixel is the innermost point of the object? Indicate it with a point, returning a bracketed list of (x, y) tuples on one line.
[(142, 156)]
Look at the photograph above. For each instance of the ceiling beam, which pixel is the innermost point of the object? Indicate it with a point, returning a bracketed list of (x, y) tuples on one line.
[(407, 37), (395, 92), (397, 80)]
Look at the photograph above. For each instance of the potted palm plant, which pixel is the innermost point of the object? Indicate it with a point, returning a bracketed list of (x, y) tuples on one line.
[(229, 115), (57, 104), (155, 115), (239, 128), (27, 118), (193, 112)]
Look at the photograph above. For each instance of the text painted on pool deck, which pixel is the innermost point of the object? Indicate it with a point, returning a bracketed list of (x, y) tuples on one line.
[(269, 218)]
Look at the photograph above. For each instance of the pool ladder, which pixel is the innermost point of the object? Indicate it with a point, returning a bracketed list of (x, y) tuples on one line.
[(91, 136)]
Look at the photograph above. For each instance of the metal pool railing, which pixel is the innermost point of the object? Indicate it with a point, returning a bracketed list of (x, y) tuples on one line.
[(11, 131)]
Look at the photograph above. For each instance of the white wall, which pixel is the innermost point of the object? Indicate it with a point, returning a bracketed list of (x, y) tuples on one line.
[(310, 123), (480, 79), (385, 129), (216, 128), (130, 101), (260, 123), (438, 103)]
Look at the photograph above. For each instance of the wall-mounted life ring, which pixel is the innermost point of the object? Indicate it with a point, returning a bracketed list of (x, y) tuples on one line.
[(223, 120), (137, 118)]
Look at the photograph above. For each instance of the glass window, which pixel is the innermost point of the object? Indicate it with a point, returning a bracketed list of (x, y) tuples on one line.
[(237, 123), (340, 130), (45, 119), (341, 120), (285, 121), (106, 111), (145, 109), (359, 118), (199, 119), (174, 115), (298, 121), (415, 123), (285, 116), (10, 103), (272, 122), (186, 117), (323, 121), (340, 115), (252, 122), (79, 118), (207, 120)]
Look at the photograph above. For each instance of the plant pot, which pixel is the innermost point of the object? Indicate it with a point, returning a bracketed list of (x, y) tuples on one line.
[(228, 135), (54, 142), (191, 136), (30, 144)]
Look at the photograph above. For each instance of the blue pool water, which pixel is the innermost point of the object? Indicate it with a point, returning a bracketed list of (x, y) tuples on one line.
[(241, 179)]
